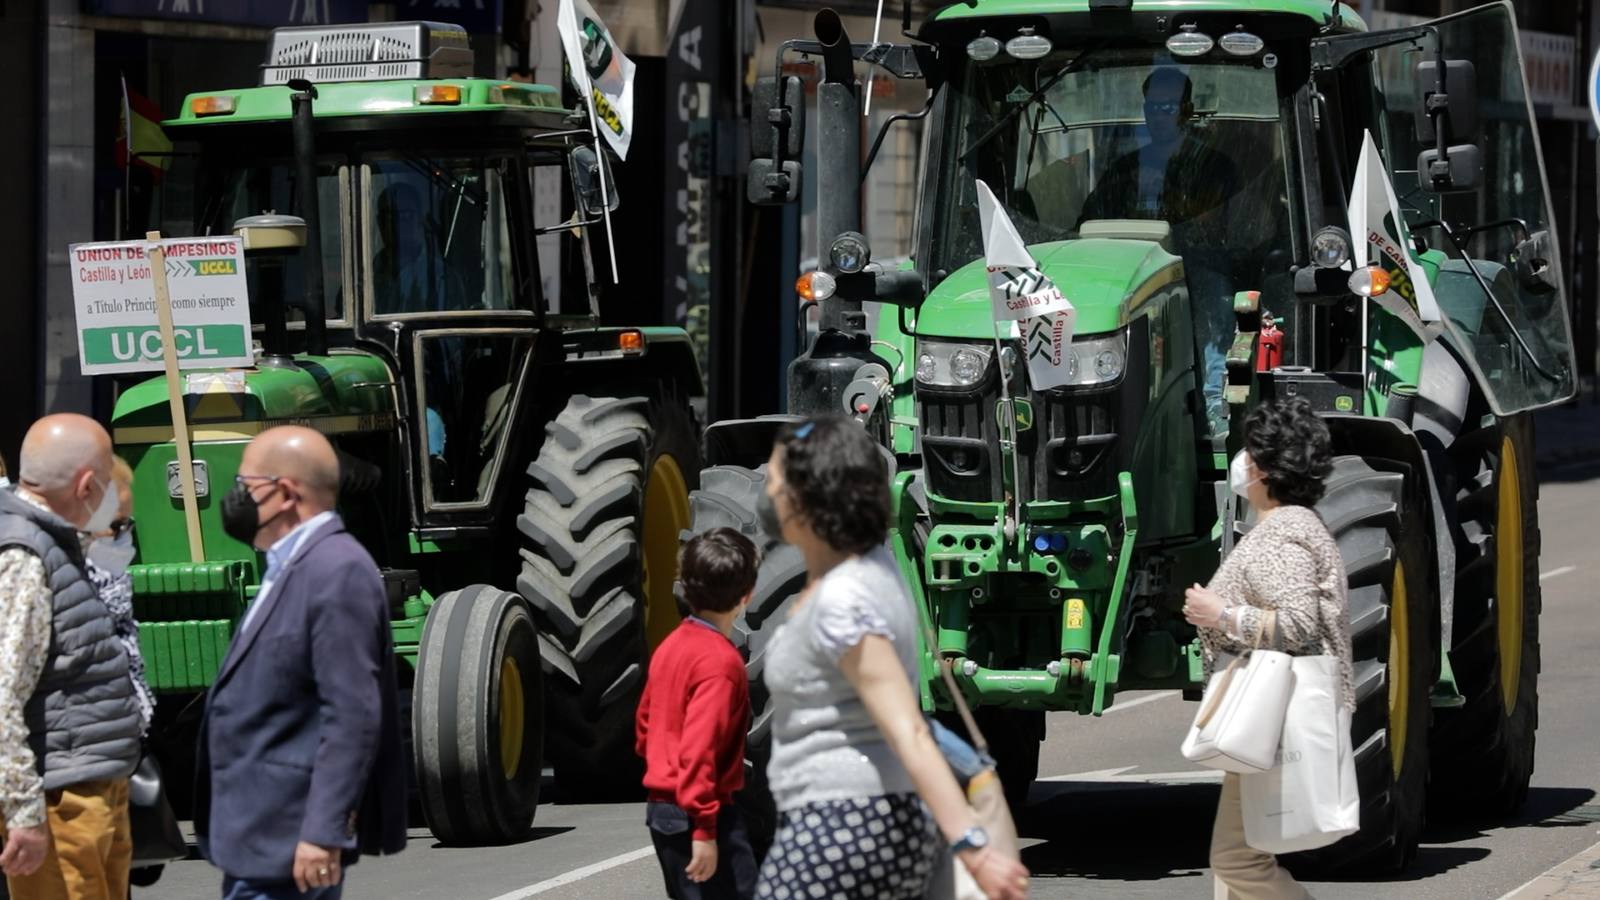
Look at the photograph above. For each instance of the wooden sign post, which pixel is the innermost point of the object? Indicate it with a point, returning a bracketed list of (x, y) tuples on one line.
[(180, 418)]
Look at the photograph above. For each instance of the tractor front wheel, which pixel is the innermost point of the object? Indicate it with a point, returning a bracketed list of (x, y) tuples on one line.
[(1372, 508), (477, 717)]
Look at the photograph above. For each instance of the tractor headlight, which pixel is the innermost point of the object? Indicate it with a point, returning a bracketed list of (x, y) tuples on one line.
[(949, 364), (1330, 247), (1097, 360), (850, 253)]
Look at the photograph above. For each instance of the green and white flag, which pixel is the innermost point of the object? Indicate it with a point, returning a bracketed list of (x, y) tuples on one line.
[(1021, 293), (600, 72), (1375, 220)]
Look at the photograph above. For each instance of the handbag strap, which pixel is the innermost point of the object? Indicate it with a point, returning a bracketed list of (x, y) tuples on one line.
[(954, 690)]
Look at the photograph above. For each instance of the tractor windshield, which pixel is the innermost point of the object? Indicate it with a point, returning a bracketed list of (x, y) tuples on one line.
[(1130, 134)]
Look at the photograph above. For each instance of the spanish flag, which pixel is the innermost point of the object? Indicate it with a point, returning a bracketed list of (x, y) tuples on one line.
[(139, 135)]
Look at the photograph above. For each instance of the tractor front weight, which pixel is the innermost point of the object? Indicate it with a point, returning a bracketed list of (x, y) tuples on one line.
[(1071, 569)]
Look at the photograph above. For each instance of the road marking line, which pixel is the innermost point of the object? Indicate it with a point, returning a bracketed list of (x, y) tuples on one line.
[(1557, 573), (1140, 701), (1576, 873), (551, 884), (1120, 776)]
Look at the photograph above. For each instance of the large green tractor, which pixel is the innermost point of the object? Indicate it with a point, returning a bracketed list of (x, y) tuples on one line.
[(1048, 535), (519, 472)]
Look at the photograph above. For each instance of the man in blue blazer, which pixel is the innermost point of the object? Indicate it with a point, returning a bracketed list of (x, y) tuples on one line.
[(300, 767)]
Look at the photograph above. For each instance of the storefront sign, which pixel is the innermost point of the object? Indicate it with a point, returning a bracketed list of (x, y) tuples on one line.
[(265, 13), (114, 295)]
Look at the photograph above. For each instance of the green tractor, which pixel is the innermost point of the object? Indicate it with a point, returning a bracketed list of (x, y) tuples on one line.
[(520, 473), (1183, 172)]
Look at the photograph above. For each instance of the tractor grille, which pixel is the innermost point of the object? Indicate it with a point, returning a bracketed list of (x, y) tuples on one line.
[(1080, 439)]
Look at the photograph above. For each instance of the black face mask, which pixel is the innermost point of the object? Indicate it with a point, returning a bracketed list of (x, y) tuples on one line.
[(767, 513), (240, 515)]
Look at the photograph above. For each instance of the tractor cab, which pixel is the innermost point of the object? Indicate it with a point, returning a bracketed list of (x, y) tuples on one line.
[(518, 472)]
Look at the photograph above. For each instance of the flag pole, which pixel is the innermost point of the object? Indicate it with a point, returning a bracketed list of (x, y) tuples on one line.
[(127, 158), (605, 197)]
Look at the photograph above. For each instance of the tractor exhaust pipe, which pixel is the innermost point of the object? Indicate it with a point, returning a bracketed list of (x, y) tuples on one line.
[(839, 161), (305, 161)]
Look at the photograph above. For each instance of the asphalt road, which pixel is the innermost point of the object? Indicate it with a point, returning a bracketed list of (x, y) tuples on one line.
[(1118, 812)]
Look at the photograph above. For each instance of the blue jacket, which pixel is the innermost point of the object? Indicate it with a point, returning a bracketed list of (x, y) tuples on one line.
[(301, 738)]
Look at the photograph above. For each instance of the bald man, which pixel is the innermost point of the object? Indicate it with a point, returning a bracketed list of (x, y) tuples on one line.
[(299, 768), (69, 720)]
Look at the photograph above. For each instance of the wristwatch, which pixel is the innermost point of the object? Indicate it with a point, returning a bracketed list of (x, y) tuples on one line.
[(974, 838)]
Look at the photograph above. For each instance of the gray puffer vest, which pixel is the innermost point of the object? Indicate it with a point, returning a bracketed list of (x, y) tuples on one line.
[(83, 719)]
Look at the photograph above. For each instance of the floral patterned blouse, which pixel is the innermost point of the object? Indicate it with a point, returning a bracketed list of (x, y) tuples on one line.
[(1288, 563)]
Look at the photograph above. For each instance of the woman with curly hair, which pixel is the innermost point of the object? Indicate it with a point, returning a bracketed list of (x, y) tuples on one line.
[(851, 750), (1288, 564)]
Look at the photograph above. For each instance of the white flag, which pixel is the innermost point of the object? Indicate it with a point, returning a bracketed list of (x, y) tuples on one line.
[(1020, 293), (600, 72), (1375, 219)]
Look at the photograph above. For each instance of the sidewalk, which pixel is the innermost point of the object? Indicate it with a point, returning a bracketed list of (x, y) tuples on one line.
[(1578, 877), (1567, 434)]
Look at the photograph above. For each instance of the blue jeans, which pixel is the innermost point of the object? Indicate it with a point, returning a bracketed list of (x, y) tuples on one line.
[(245, 889)]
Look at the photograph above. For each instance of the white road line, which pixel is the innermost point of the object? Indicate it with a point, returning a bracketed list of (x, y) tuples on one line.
[(1121, 776), (1140, 701), (1557, 573), (1574, 872), (551, 884)]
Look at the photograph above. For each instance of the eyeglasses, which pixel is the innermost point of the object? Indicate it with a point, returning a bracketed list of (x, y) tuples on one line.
[(1166, 107), (122, 526), (247, 481)]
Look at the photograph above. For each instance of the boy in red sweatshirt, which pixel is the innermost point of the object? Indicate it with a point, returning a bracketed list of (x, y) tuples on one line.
[(691, 726)]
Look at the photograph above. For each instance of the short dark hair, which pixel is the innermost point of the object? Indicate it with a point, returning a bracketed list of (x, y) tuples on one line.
[(1291, 447), (1167, 73), (717, 569), (836, 476)]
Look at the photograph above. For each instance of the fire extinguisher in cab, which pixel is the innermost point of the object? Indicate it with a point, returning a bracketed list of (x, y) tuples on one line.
[(1269, 344)]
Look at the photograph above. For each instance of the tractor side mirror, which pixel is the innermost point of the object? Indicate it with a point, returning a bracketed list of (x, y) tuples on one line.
[(1459, 100), (584, 168), (1450, 107), (1463, 171), (785, 117), (776, 144)]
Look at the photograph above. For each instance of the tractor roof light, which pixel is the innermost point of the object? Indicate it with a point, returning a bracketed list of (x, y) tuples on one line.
[(213, 105), (1369, 281), (438, 95), (1330, 247), (815, 286), (1028, 45), (850, 252), (1189, 42), (983, 48), (1241, 43)]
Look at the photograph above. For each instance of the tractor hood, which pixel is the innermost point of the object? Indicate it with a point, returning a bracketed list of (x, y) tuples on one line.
[(1107, 280)]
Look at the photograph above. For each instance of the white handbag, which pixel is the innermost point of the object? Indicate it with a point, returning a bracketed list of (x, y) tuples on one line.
[(1311, 799), (1240, 721)]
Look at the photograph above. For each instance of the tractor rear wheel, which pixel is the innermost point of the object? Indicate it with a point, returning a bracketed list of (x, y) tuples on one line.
[(1484, 750), (478, 717), (727, 498), (1373, 513), (607, 500)]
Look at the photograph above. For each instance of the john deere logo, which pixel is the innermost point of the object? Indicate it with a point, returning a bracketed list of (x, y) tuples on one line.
[(596, 49), (1344, 404)]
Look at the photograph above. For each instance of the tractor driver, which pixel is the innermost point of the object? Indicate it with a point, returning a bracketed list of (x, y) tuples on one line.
[(402, 269), (1180, 179)]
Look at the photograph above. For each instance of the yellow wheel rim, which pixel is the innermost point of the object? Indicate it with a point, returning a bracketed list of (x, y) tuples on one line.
[(1399, 668), (511, 721), (1508, 575), (666, 515)]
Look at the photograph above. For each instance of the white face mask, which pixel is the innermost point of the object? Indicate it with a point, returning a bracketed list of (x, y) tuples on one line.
[(1239, 480), (106, 512), (112, 554)]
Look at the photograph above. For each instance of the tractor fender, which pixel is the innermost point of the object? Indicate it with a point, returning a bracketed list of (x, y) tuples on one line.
[(1443, 391), (668, 360), (746, 443), (1373, 436)]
